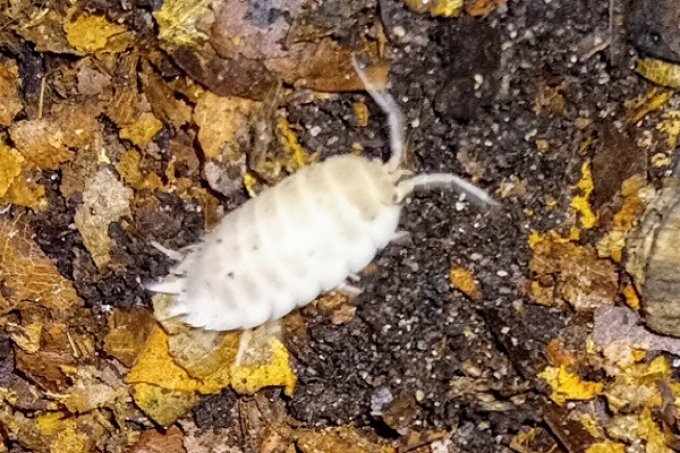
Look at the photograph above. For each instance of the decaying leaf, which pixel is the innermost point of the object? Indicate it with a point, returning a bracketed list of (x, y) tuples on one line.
[(483, 7), (264, 363), (151, 441), (105, 200), (443, 8), (227, 136), (464, 281), (184, 23), (142, 131), (127, 334), (162, 405), (660, 72), (343, 438), (565, 271), (27, 274), (10, 101), (580, 203), (129, 169), (634, 196), (11, 166), (568, 386), (89, 33)]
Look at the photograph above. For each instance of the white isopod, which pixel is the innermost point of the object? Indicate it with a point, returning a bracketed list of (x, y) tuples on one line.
[(299, 238)]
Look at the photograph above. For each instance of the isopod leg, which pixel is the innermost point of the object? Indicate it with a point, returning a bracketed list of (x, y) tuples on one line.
[(444, 181), (172, 254), (350, 290), (401, 238)]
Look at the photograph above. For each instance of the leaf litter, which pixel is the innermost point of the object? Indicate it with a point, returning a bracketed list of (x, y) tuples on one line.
[(117, 133)]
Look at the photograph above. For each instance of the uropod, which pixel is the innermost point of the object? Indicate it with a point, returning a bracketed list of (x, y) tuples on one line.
[(304, 236)]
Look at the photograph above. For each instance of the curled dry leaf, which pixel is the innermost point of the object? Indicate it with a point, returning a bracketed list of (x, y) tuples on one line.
[(105, 200)]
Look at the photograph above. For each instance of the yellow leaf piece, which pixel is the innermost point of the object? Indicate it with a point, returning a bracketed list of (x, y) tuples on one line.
[(654, 99), (437, 8), (648, 429), (205, 355), (155, 366), (209, 369), (10, 100), (607, 447), (142, 131), (289, 141), (70, 440), (180, 22), (612, 244), (464, 281), (636, 386), (105, 200), (659, 72), (129, 168), (360, 113), (50, 423), (222, 137), (164, 406), (631, 297), (249, 182), (26, 337), (446, 8), (26, 192), (580, 202), (11, 165), (591, 424), (96, 34), (248, 379), (568, 386), (670, 125)]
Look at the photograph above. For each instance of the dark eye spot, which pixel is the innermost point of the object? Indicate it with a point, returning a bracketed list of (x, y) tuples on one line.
[(230, 275), (655, 37), (220, 240)]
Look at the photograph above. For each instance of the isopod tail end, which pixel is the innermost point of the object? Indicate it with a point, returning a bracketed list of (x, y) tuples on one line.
[(169, 285)]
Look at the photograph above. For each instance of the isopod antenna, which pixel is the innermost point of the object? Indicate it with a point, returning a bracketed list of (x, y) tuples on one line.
[(394, 116)]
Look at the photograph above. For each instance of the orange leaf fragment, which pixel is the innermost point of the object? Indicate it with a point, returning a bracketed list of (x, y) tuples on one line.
[(464, 281)]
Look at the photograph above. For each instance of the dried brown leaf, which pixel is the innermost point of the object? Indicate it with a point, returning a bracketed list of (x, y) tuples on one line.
[(105, 200), (225, 137), (128, 333), (10, 100), (568, 272), (29, 275), (152, 441)]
